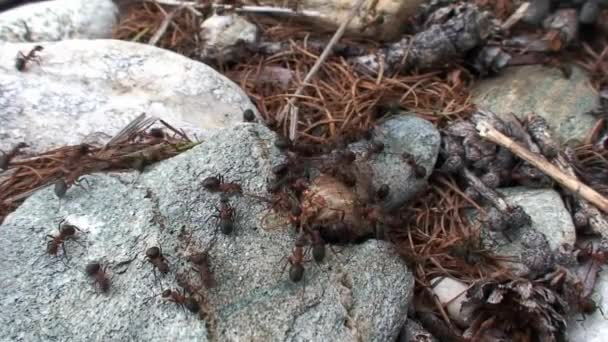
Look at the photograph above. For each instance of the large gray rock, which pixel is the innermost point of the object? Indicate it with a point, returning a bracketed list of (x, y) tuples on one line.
[(399, 134), (532, 248), (592, 327), (83, 87), (359, 293), (59, 20), (544, 91)]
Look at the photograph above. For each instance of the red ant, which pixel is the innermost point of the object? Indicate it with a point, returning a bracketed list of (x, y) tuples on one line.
[(318, 245), (216, 183), (225, 215), (66, 231), (155, 256), (296, 259), (181, 300), (62, 186), (419, 170), (98, 273), (201, 260), (21, 61)]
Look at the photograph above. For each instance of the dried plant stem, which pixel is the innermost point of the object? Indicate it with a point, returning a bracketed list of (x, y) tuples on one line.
[(516, 16), (164, 25), (243, 9), (569, 182), (290, 107)]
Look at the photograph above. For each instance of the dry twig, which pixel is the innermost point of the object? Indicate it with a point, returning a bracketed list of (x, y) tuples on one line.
[(569, 182)]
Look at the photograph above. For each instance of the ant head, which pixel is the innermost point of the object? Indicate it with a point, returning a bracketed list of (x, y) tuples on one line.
[(93, 268), (377, 146), (166, 294), (349, 156), (383, 191), (211, 182), (153, 252)]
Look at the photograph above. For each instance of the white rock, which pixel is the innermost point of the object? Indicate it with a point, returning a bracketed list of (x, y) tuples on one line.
[(59, 20), (84, 86), (594, 328), (226, 37), (379, 19), (453, 293)]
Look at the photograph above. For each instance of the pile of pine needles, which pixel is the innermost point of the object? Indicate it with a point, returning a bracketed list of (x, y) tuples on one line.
[(132, 148)]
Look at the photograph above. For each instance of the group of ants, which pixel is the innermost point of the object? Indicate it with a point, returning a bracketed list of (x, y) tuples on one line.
[(292, 179), (290, 182)]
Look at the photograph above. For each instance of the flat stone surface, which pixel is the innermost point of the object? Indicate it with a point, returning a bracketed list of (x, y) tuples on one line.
[(360, 292), (592, 327), (532, 248), (56, 20), (89, 90), (562, 102)]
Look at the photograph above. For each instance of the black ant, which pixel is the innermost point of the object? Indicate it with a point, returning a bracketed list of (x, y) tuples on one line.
[(419, 170), (155, 256), (201, 262), (181, 300), (216, 183), (98, 273), (66, 231), (225, 215), (21, 61)]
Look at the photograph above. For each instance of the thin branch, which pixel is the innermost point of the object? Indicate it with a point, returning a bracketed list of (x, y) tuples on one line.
[(164, 25), (243, 9), (572, 184), (290, 107)]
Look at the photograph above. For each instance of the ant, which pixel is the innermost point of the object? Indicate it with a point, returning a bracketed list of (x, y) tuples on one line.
[(181, 300), (66, 231), (225, 215), (374, 147), (201, 262), (62, 186), (216, 183), (419, 170), (296, 259), (383, 192), (5, 158), (98, 273), (248, 115), (155, 256), (21, 61), (318, 244)]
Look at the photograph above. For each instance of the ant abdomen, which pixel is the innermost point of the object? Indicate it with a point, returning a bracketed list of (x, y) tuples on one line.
[(296, 272)]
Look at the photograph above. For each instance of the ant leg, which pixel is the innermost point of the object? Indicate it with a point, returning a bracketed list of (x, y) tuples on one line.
[(602, 312)]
